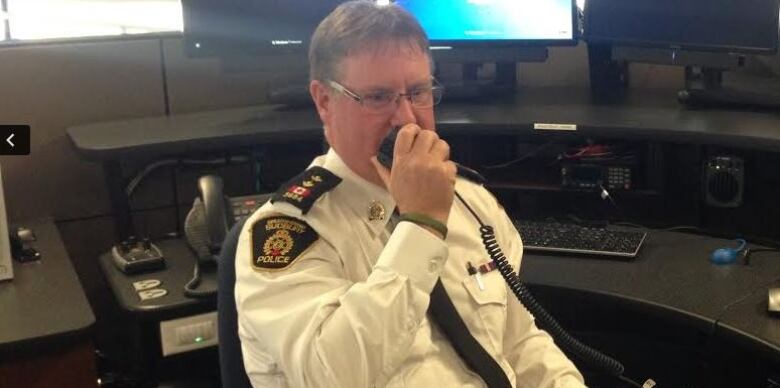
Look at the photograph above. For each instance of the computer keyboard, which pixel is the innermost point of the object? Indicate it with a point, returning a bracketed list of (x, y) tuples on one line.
[(547, 236)]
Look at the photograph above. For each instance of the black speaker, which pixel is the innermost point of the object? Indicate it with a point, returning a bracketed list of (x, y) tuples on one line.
[(724, 181)]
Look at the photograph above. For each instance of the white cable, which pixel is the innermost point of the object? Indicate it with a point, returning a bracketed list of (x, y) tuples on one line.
[(604, 193)]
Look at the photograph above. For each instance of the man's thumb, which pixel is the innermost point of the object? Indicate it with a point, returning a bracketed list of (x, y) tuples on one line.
[(383, 172)]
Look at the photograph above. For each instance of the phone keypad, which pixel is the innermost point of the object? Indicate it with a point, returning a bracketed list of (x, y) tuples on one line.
[(242, 207)]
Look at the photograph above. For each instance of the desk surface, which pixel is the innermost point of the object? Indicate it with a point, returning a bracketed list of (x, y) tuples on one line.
[(746, 321), (646, 114), (44, 301), (673, 276), (179, 262)]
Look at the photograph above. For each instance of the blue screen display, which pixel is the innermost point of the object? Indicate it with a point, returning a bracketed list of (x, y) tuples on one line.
[(453, 20)]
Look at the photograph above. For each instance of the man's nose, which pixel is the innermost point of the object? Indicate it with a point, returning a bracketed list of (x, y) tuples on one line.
[(404, 113)]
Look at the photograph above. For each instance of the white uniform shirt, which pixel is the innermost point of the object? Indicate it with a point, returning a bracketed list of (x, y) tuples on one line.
[(351, 310)]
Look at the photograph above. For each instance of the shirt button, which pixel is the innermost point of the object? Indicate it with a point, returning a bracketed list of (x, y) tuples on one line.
[(433, 265)]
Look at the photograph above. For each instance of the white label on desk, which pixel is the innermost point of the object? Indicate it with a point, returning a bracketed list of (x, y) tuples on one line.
[(555, 127), (146, 284), (152, 294)]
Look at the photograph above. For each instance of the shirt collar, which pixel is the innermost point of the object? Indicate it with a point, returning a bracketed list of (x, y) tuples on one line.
[(373, 204)]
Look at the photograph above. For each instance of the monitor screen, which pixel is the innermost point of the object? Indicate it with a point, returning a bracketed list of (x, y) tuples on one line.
[(495, 22), (712, 25), (251, 27), (261, 27)]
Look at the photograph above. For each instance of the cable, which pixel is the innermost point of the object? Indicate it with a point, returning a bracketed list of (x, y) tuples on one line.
[(598, 153), (605, 195), (711, 233), (749, 251), (630, 224), (149, 168), (520, 159), (685, 227), (565, 340), (759, 288), (629, 381), (190, 289)]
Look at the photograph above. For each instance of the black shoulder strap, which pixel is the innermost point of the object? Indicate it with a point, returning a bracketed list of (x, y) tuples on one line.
[(476, 357), (305, 188)]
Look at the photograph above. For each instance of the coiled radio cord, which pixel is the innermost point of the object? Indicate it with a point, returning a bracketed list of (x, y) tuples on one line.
[(565, 340)]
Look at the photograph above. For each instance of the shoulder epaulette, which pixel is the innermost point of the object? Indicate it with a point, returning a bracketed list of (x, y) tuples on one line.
[(305, 188)]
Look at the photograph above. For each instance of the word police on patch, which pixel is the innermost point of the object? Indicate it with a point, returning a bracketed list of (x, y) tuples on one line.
[(278, 241)]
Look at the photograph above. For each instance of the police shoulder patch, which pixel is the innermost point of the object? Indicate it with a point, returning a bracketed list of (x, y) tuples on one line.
[(278, 241), (305, 188)]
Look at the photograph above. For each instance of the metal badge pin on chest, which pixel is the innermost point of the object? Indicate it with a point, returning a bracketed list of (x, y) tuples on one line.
[(376, 211)]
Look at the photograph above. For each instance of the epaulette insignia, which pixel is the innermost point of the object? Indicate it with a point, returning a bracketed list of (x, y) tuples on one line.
[(278, 241), (305, 188)]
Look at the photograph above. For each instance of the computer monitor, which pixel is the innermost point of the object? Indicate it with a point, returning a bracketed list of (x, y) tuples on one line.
[(706, 36), (228, 28), (268, 27), (253, 36), (496, 23), (500, 32), (737, 26), (273, 35), (495, 30)]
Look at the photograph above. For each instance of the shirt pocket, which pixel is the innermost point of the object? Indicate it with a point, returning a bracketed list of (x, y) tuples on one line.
[(490, 304)]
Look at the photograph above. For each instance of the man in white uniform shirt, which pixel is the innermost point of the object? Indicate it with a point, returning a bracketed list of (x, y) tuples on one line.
[(335, 277)]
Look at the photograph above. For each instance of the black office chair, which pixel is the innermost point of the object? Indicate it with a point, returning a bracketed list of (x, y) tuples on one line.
[(231, 361)]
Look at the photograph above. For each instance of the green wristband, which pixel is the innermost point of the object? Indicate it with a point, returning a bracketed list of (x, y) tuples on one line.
[(425, 220)]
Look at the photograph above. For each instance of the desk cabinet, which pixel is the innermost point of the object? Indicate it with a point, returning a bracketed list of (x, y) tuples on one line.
[(46, 320)]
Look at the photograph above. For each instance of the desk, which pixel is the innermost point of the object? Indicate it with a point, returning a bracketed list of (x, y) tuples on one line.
[(673, 280), (673, 276), (150, 367), (179, 262), (646, 114), (45, 320), (746, 322)]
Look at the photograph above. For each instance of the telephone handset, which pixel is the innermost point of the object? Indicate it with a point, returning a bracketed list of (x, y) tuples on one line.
[(207, 223), (568, 343), (204, 229)]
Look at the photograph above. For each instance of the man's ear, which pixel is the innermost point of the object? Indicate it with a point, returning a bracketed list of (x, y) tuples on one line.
[(319, 93)]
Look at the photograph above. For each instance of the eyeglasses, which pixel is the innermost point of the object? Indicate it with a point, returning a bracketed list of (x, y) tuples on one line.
[(421, 97)]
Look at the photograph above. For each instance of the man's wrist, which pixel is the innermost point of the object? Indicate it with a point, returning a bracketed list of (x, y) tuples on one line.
[(427, 222), (432, 231)]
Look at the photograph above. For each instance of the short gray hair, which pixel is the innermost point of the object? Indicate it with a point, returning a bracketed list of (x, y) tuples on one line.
[(357, 25)]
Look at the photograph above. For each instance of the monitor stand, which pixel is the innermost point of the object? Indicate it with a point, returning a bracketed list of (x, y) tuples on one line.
[(704, 89), (469, 86), (703, 77), (608, 75)]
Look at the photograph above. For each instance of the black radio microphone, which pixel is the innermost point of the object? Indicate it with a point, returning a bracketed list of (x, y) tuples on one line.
[(385, 157)]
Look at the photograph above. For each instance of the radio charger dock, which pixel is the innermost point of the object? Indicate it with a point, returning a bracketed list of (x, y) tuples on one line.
[(134, 256)]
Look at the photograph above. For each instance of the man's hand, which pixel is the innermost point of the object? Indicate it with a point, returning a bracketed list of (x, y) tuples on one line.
[(422, 179)]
